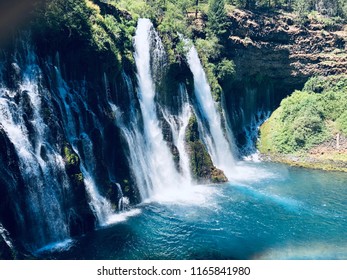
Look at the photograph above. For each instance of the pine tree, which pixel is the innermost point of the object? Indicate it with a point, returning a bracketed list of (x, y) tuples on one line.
[(217, 18)]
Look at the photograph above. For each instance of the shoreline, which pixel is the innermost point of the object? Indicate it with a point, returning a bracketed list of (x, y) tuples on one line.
[(306, 161)]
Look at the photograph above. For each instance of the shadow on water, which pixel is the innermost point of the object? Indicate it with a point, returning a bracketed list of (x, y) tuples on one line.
[(105, 243)]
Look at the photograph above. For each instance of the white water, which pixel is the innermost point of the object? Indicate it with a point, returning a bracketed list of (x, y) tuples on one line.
[(100, 205), (178, 125), (165, 178), (6, 236), (249, 150), (137, 152), (217, 142), (43, 172)]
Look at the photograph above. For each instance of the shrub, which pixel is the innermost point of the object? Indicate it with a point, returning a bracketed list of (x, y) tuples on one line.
[(301, 121)]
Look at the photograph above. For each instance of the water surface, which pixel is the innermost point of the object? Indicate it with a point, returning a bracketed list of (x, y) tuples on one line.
[(269, 211)]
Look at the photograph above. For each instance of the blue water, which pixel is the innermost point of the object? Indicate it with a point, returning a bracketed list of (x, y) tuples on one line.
[(269, 211)]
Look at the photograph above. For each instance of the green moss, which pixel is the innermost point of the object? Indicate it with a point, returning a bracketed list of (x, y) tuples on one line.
[(72, 165), (70, 157), (201, 164), (126, 186)]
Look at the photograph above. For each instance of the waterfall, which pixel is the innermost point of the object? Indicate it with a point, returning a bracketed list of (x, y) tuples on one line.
[(131, 132), (210, 122), (164, 175), (100, 205), (149, 155), (41, 165), (178, 125), (249, 150), (4, 234)]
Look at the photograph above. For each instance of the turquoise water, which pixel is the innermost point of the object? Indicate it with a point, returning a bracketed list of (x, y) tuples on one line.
[(269, 211)]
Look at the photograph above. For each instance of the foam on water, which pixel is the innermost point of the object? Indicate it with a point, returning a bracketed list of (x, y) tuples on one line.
[(122, 217), (64, 245), (195, 195)]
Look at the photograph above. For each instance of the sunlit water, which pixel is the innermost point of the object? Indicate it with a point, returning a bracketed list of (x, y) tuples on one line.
[(274, 213)]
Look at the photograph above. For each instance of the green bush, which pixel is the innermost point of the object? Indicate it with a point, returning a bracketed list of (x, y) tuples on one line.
[(225, 69), (342, 123), (308, 117)]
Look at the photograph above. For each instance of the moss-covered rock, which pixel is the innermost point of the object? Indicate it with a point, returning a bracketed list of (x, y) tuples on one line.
[(72, 162), (80, 217), (201, 164)]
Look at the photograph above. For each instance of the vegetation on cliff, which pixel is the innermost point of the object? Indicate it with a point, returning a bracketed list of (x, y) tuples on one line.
[(90, 27), (309, 123), (302, 7)]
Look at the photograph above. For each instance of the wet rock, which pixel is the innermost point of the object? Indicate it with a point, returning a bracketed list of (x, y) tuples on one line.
[(202, 168)]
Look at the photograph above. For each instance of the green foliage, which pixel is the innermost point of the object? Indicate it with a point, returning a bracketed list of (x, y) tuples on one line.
[(83, 21), (302, 119), (217, 18), (173, 21), (225, 69), (208, 48), (329, 8), (139, 8), (247, 4), (69, 15), (341, 123)]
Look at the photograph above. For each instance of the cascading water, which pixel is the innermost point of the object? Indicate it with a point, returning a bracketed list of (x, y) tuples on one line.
[(41, 165), (5, 236), (210, 123), (137, 150), (100, 205), (249, 150), (149, 156), (178, 125), (164, 177)]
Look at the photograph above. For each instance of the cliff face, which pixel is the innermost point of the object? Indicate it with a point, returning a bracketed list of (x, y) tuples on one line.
[(275, 46)]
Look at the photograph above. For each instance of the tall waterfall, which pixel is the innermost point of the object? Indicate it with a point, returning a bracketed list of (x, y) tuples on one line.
[(217, 141), (149, 155), (137, 152)]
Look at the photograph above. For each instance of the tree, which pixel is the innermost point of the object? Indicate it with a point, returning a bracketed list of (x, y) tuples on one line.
[(301, 7), (248, 4), (217, 18)]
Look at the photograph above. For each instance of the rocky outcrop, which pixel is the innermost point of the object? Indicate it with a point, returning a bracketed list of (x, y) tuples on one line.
[(201, 164)]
